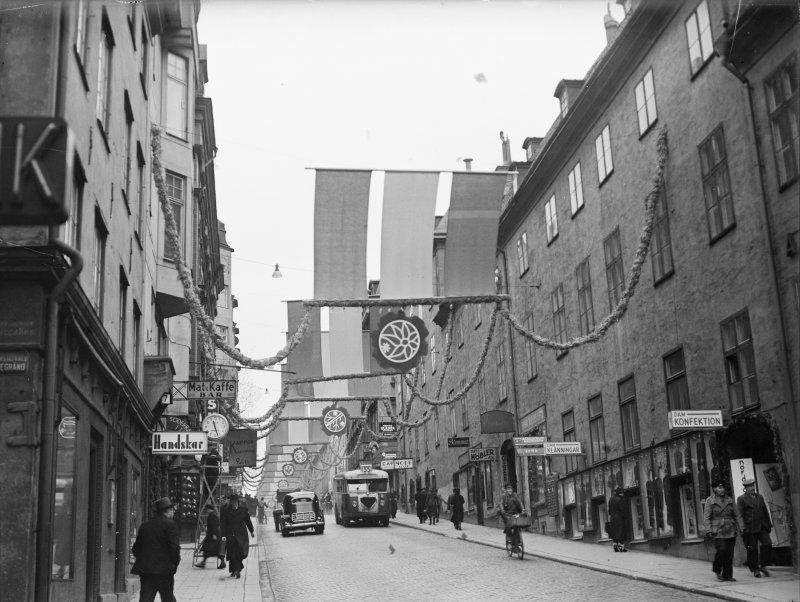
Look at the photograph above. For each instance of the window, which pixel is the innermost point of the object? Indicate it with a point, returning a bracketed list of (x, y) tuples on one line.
[(716, 184), (423, 376), (615, 277), (416, 441), (488, 482), (575, 189), (478, 308), (139, 193), (522, 253), (563, 102), (177, 95), (645, 94), (602, 148), (123, 310), (698, 36), (137, 339), (433, 354), (435, 427), (99, 256), (72, 228), (64, 497), (568, 428), (551, 219), (661, 243), (452, 411), (530, 350), (458, 327), (559, 314), (425, 428), (740, 364), (464, 414), (104, 56), (502, 391), (585, 305), (781, 89), (144, 58), (482, 393), (176, 190), (127, 165), (628, 414), (81, 24), (597, 429), (675, 379)]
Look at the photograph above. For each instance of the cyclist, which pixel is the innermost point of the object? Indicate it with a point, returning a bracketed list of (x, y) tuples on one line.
[(509, 504)]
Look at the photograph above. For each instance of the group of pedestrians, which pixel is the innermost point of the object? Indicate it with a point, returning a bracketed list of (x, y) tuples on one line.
[(428, 503), (157, 547)]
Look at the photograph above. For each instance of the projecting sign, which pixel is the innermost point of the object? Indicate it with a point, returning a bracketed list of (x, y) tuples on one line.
[(525, 441), (388, 429), (241, 447), (529, 446), (458, 442), (562, 448), (398, 463), (483, 454), (695, 419), (180, 443)]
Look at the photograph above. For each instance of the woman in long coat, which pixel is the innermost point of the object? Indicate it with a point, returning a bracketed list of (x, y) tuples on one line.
[(432, 506), (616, 513), (235, 523), (723, 522), (456, 504)]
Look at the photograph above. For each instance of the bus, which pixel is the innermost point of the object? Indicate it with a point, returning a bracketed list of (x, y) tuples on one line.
[(362, 496)]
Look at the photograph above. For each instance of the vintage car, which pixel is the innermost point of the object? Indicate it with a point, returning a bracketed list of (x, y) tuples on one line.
[(276, 514), (301, 510)]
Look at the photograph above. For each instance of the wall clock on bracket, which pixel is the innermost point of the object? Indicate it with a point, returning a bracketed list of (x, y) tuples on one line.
[(216, 426)]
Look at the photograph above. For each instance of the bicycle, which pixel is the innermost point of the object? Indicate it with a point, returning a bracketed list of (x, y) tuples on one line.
[(514, 543)]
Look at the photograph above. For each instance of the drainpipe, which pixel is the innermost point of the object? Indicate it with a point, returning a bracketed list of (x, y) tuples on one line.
[(48, 421)]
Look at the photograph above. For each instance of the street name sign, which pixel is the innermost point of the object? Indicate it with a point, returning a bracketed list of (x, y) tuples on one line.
[(482, 454), (458, 442), (388, 429), (562, 448), (180, 443), (695, 419), (526, 441), (533, 450)]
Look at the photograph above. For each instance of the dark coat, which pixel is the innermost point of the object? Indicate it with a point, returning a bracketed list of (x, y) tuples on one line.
[(432, 502), (722, 518), (456, 503), (510, 504), (210, 543), (420, 499), (157, 547), (234, 524), (616, 514), (754, 513)]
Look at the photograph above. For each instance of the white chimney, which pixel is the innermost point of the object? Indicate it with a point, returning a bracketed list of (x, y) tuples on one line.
[(468, 164), (506, 149)]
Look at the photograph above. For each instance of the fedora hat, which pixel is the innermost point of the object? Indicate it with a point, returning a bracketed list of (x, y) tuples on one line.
[(163, 504)]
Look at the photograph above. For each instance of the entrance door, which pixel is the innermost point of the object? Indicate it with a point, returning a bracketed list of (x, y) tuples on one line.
[(94, 517)]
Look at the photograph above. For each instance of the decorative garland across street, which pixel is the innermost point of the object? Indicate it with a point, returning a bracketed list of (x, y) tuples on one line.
[(266, 423)]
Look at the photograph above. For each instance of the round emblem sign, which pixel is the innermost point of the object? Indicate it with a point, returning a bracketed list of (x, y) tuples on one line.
[(334, 420), (399, 341), (300, 456), (287, 470), (282, 484)]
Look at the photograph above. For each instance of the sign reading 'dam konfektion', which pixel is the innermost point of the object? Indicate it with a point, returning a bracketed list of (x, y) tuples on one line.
[(695, 419), (180, 443)]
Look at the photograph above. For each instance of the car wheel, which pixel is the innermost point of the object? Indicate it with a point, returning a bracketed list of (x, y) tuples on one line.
[(285, 532), (319, 530)]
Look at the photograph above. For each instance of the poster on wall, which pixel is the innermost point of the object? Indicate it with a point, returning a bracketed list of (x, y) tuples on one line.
[(769, 481)]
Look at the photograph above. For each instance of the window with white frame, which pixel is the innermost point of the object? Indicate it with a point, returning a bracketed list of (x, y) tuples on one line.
[(137, 339), (559, 314), (530, 351), (597, 429), (675, 381), (105, 50), (99, 257), (176, 196), (433, 354), (551, 218), (481, 386), (522, 253), (575, 189), (716, 184), (568, 428), (699, 38), (72, 227), (782, 103), (585, 304), (502, 390), (122, 315), (139, 193), (464, 414), (127, 166), (458, 326), (177, 95), (435, 426), (615, 276), (602, 148), (740, 361), (81, 24), (629, 414), (661, 242), (144, 59), (645, 94)]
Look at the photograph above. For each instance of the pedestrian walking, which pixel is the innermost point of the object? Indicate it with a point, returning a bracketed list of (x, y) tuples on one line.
[(432, 506), (393, 503), (616, 523), (757, 526), (158, 552), (722, 521), (455, 503), (262, 508), (235, 523), (210, 544), (421, 500)]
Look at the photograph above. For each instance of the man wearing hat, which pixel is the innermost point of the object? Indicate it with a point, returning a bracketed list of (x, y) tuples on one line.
[(723, 521), (234, 524), (616, 522), (757, 526), (158, 551)]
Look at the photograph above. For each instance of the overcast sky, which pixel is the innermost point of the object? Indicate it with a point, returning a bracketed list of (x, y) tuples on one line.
[(374, 84)]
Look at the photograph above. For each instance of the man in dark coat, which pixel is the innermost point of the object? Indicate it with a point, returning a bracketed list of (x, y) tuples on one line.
[(235, 523), (158, 551), (210, 545), (421, 500), (757, 526), (456, 505), (616, 513)]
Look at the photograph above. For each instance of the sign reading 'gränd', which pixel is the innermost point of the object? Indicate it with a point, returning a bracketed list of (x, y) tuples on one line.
[(180, 443)]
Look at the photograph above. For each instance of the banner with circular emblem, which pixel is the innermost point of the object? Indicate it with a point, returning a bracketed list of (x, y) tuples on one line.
[(299, 455), (287, 470), (399, 341), (335, 420)]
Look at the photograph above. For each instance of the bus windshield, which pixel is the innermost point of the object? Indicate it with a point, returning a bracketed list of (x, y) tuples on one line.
[(367, 485)]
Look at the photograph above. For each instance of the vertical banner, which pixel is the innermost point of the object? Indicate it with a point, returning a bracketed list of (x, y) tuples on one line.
[(306, 360)]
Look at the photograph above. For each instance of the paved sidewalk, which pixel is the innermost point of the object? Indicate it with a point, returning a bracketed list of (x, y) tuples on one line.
[(210, 583), (681, 573)]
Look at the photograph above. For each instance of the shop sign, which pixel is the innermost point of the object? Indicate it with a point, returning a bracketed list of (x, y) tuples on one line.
[(13, 362), (180, 443), (483, 454), (210, 389), (177, 423), (242, 444), (388, 429), (458, 442), (562, 448), (397, 463), (695, 419), (551, 494)]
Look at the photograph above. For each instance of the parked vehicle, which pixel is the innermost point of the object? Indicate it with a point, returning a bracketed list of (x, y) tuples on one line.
[(276, 514), (362, 496), (301, 510)]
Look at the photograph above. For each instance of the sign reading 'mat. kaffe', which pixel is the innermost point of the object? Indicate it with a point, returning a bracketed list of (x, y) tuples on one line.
[(204, 389), (180, 443)]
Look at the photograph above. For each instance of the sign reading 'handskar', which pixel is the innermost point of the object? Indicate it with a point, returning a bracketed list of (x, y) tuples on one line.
[(180, 443)]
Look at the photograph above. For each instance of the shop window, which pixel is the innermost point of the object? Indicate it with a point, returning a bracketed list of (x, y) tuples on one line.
[(688, 509), (64, 503), (637, 517)]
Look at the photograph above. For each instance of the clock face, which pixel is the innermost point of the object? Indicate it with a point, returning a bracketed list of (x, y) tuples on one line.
[(216, 426)]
